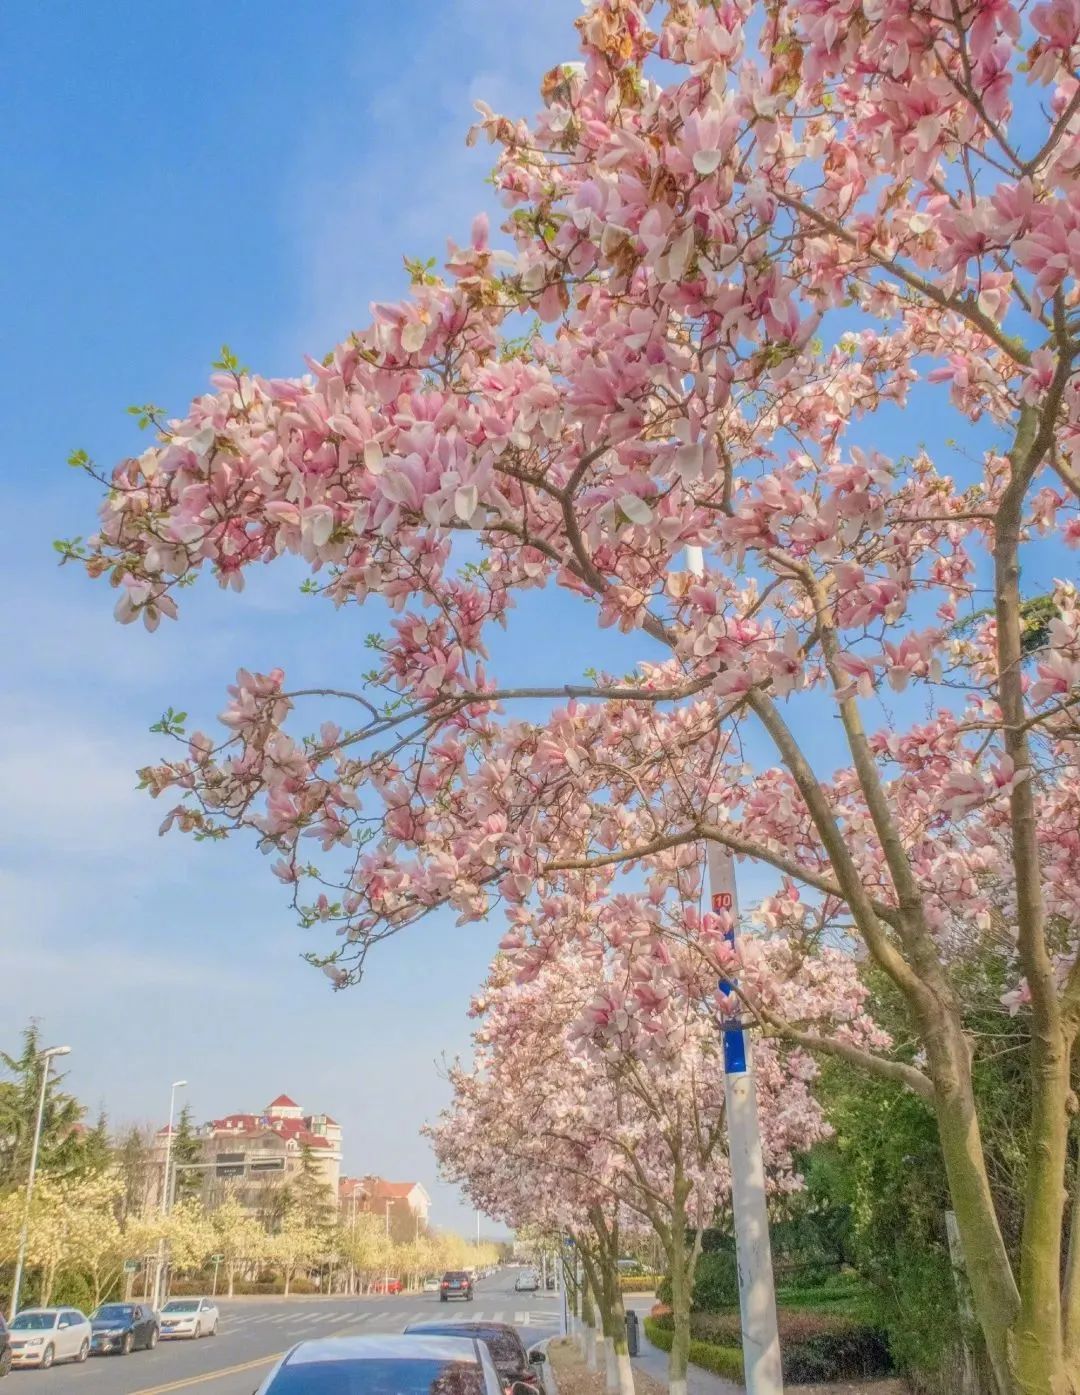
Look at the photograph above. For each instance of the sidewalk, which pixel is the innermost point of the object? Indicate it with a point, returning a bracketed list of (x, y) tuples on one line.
[(654, 1362)]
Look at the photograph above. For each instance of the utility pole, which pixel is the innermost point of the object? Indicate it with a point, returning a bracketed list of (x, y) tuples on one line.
[(46, 1058), (753, 1251)]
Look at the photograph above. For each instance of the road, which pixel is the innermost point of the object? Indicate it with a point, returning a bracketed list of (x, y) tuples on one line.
[(253, 1332)]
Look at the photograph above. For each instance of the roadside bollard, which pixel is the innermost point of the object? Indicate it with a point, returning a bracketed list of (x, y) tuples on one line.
[(632, 1332)]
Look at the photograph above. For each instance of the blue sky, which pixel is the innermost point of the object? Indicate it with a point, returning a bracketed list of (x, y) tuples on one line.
[(176, 177)]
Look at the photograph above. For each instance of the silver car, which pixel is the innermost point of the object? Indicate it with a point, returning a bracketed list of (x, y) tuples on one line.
[(40, 1336), (374, 1365), (189, 1317)]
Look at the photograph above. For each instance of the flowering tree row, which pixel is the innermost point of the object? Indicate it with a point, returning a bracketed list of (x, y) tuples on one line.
[(78, 1227), (623, 1124), (771, 249)]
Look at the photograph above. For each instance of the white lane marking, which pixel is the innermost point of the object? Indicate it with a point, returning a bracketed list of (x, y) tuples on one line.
[(521, 1319), (499, 1317)]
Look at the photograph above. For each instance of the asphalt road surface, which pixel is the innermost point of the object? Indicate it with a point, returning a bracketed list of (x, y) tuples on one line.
[(254, 1332)]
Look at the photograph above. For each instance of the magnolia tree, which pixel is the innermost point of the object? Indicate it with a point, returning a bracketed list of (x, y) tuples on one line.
[(771, 250), (620, 1067)]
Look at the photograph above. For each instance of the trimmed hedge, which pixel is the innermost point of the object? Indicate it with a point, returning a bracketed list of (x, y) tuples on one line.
[(638, 1283), (816, 1346), (722, 1361)]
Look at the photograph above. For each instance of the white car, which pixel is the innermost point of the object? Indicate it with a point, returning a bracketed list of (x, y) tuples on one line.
[(189, 1317), (40, 1336), (431, 1285), (526, 1283)]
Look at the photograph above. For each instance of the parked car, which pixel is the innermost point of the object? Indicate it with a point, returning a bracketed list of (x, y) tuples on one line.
[(189, 1317), (388, 1286), (514, 1364), (550, 1281), (40, 1336), (431, 1285), (5, 1348), (374, 1365), (456, 1283), (123, 1328), (526, 1283)]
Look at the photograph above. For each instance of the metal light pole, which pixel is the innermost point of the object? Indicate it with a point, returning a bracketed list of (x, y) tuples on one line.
[(166, 1191), (386, 1271), (757, 1289), (47, 1058)]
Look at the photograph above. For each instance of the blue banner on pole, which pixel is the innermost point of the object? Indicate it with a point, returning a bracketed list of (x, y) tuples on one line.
[(734, 1051)]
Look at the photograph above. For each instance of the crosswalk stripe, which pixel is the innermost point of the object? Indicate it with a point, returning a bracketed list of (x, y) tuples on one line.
[(521, 1319)]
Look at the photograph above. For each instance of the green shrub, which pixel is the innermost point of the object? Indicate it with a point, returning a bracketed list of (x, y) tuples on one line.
[(716, 1282), (73, 1290), (722, 1361), (638, 1283), (816, 1346), (663, 1290)]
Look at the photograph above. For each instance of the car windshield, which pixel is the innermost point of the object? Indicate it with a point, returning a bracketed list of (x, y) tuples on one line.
[(114, 1312), (182, 1305), (384, 1377), (34, 1322), (506, 1350)]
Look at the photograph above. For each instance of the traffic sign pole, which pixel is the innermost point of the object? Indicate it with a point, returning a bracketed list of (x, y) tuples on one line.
[(757, 1290)]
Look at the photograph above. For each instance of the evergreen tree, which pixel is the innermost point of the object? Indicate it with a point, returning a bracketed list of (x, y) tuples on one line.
[(61, 1145), (311, 1192), (186, 1150)]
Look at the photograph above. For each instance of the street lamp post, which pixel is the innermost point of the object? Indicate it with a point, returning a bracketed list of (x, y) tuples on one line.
[(166, 1190), (386, 1270), (46, 1057)]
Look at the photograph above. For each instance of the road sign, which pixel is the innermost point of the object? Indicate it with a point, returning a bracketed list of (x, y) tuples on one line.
[(132, 1266), (216, 1259)]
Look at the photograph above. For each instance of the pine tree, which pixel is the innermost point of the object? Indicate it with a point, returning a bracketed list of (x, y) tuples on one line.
[(311, 1192), (60, 1142), (186, 1150)]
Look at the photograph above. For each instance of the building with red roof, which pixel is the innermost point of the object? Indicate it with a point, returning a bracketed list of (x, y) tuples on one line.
[(406, 1204), (249, 1155)]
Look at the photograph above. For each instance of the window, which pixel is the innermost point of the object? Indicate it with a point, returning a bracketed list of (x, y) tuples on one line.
[(379, 1377)]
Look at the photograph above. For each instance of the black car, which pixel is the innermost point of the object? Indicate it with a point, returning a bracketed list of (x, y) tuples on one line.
[(456, 1283), (376, 1365), (5, 1348), (514, 1364), (123, 1328)]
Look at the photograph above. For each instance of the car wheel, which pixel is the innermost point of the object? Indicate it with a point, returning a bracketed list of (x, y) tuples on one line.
[(84, 1351), (151, 1341), (47, 1357), (213, 1330), (198, 1332), (127, 1344)]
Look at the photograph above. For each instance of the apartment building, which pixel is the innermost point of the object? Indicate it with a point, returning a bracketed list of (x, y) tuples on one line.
[(252, 1155)]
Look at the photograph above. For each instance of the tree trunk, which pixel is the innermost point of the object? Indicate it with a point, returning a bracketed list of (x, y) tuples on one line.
[(288, 1280), (681, 1290), (588, 1319), (993, 1289), (1036, 1342)]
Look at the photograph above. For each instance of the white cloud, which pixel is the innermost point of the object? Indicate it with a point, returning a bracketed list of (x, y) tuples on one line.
[(407, 181)]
